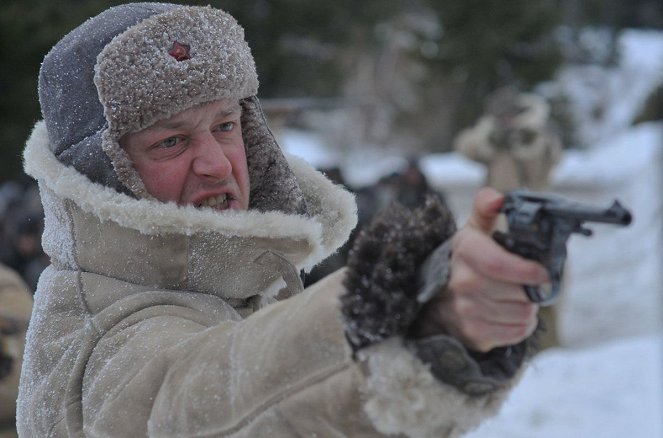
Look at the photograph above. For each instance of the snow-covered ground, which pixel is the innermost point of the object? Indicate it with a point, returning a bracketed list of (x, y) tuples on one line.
[(609, 391), (606, 380)]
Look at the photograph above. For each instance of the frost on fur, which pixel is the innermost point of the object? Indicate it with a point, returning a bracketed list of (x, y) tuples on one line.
[(403, 397), (384, 263)]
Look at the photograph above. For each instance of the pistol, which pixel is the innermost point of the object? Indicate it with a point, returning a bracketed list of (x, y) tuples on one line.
[(539, 224)]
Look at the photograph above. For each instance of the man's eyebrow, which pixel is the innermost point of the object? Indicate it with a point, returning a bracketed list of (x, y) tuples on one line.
[(228, 111), (162, 124), (176, 124)]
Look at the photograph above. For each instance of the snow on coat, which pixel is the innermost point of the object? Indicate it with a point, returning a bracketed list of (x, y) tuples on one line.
[(149, 322)]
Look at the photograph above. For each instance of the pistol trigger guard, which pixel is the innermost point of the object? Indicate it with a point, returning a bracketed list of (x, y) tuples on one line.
[(536, 295)]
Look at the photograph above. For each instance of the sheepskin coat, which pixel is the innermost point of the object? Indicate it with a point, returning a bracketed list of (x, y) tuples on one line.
[(160, 320)]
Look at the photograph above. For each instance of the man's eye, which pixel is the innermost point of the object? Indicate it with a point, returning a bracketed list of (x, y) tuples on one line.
[(226, 127), (169, 142)]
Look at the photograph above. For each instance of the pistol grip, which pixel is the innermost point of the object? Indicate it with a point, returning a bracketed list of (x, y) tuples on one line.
[(540, 295)]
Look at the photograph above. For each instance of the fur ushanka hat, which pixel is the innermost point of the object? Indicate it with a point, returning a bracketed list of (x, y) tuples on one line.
[(134, 64)]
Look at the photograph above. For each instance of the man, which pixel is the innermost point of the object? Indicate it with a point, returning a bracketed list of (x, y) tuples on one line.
[(177, 230), (15, 308), (514, 140)]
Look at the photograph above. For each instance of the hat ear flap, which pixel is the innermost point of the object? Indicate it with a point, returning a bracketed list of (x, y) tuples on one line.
[(100, 169), (274, 186), (73, 114)]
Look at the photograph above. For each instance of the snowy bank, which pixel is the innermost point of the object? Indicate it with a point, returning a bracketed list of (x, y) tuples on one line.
[(611, 391)]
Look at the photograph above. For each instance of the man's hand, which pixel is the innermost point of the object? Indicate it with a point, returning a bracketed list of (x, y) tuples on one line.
[(484, 305)]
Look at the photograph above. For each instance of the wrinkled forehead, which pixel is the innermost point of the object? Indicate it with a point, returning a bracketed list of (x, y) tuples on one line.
[(199, 115), (208, 111), (171, 62)]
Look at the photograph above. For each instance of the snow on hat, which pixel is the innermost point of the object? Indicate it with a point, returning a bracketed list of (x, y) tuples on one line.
[(135, 64)]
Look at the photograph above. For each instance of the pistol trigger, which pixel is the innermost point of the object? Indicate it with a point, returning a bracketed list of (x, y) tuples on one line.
[(541, 295)]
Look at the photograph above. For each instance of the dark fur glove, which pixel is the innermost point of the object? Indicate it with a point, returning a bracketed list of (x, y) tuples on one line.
[(471, 372), (396, 265), (382, 282)]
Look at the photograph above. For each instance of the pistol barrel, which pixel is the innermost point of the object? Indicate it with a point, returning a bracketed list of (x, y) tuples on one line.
[(539, 227), (615, 214)]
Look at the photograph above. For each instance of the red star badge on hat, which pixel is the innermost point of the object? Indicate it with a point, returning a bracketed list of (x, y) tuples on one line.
[(180, 51)]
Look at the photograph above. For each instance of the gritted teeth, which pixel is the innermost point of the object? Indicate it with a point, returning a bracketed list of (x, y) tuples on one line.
[(218, 201)]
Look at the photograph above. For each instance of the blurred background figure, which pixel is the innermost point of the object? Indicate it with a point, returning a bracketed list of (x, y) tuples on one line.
[(15, 310), (514, 140), (22, 224), (516, 143), (407, 186), (412, 187)]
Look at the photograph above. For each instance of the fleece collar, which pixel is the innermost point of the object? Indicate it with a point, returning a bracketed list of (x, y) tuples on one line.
[(304, 240)]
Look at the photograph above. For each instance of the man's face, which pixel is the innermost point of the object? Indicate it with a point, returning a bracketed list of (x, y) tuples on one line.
[(195, 157)]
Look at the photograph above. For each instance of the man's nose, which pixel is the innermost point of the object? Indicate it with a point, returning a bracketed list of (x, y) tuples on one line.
[(211, 161)]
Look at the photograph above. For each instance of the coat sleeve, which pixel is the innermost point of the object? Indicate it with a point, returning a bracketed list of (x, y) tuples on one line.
[(286, 370)]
